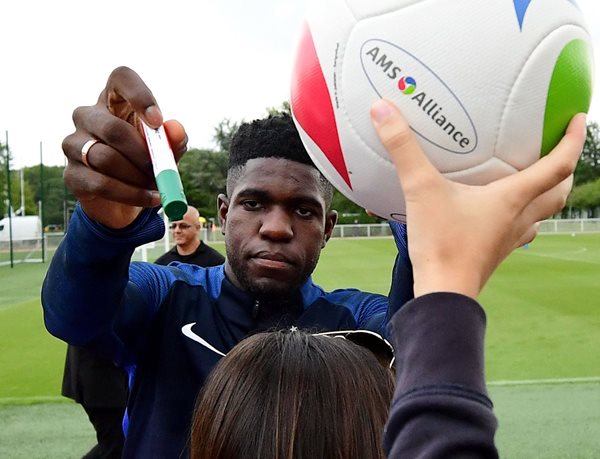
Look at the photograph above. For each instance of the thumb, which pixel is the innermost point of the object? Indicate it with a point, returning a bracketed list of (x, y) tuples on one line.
[(412, 165)]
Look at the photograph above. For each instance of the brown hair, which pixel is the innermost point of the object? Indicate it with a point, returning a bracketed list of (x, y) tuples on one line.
[(282, 395)]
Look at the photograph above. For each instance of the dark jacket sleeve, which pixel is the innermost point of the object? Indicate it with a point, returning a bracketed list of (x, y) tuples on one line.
[(440, 407), (401, 290), (378, 314), (93, 297)]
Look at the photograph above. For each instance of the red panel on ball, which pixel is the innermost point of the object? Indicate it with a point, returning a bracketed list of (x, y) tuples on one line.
[(311, 104)]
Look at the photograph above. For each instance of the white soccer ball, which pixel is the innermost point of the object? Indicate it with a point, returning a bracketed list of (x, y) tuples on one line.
[(487, 86)]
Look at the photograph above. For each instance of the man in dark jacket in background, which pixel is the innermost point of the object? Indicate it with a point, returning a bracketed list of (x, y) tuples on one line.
[(189, 247)]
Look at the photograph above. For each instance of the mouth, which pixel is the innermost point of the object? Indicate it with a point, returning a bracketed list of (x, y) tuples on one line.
[(271, 260)]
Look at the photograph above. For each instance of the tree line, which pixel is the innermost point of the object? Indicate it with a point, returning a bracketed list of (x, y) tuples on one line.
[(585, 196), (204, 171)]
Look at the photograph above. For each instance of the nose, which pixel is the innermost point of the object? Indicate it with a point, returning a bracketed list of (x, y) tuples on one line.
[(277, 225)]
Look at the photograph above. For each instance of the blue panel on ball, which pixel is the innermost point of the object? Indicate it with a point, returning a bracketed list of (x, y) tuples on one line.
[(521, 8)]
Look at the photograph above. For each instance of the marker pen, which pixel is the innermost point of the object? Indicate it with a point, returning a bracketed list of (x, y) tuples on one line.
[(167, 176)]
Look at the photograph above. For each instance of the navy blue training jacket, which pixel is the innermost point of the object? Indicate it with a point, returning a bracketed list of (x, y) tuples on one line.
[(170, 325)]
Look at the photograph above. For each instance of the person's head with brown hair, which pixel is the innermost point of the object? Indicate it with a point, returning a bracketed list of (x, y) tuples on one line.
[(293, 395)]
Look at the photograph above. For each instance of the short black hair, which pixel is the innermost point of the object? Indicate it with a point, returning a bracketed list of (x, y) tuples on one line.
[(275, 136)]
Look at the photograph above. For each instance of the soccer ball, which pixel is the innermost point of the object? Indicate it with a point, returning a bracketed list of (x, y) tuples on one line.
[(487, 86)]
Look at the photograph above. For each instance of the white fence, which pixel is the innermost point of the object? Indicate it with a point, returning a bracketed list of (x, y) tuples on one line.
[(563, 226), (589, 225), (579, 225), (30, 250), (353, 230)]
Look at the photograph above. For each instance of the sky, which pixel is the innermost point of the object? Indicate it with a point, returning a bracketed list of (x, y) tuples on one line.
[(204, 60)]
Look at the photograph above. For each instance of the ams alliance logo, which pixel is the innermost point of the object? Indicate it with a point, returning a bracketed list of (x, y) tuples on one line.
[(455, 133)]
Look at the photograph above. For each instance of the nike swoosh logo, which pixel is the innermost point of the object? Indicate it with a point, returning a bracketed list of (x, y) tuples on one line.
[(187, 331)]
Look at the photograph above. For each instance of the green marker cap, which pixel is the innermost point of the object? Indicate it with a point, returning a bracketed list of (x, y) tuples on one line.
[(172, 196)]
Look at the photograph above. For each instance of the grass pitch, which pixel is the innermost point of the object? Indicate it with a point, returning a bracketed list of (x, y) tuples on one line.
[(542, 304), (543, 339)]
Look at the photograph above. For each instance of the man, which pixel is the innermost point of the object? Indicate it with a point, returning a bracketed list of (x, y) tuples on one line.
[(170, 325), (189, 248), (100, 387), (173, 323)]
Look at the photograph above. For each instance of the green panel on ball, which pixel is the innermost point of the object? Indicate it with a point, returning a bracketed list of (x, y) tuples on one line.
[(570, 91)]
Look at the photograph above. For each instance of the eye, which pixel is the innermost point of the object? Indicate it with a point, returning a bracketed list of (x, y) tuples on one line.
[(250, 204), (304, 212)]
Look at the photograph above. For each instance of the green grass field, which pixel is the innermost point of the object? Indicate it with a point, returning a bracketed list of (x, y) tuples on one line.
[(543, 342)]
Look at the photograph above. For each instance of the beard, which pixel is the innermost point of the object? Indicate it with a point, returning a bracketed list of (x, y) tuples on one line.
[(268, 289)]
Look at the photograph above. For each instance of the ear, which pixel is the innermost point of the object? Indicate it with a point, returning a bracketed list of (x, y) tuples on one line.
[(222, 208), (330, 221)]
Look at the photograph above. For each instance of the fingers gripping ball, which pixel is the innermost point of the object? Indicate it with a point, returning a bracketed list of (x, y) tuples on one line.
[(487, 87)]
